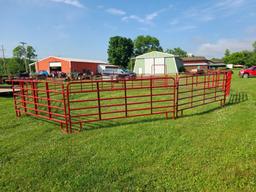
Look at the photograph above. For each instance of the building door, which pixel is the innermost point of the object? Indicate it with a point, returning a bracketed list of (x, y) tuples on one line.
[(55, 66), (159, 66), (148, 65)]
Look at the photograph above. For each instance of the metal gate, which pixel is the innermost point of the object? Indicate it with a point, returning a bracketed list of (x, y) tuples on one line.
[(198, 90), (74, 104), (90, 101)]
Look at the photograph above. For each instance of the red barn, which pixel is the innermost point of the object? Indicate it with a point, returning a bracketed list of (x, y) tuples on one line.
[(193, 63), (67, 65)]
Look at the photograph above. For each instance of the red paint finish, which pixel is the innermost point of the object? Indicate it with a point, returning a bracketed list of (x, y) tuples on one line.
[(82, 67), (111, 99), (66, 65), (44, 65)]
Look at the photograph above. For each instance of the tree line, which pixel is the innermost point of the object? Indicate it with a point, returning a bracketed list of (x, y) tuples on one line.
[(246, 57), (121, 50), (22, 57)]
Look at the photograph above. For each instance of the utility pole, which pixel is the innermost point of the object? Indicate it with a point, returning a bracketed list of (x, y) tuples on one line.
[(4, 63), (25, 55)]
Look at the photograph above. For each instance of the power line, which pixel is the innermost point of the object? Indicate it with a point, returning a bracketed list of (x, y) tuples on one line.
[(25, 55), (4, 63)]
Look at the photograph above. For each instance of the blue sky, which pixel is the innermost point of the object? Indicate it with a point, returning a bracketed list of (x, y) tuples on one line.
[(82, 28)]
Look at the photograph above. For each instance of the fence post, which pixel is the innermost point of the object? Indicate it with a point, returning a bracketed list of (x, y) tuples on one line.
[(98, 97), (67, 115), (23, 99), (192, 91), (17, 112), (151, 97), (225, 89), (34, 96), (125, 97), (48, 99), (174, 99), (204, 87), (177, 96)]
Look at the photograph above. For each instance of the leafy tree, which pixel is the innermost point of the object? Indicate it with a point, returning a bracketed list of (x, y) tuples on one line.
[(21, 52), (177, 51), (120, 50), (15, 65), (145, 44), (235, 58), (254, 46), (227, 52), (31, 53), (250, 59)]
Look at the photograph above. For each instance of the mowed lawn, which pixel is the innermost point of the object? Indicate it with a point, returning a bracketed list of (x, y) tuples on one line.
[(209, 149)]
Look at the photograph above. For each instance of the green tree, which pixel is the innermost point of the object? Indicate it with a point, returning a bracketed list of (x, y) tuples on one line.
[(24, 53), (177, 51), (120, 50), (227, 52), (19, 52), (145, 44), (236, 58), (31, 53), (254, 46)]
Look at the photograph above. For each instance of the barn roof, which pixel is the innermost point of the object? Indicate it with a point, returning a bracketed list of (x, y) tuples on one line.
[(154, 54), (77, 60), (197, 58)]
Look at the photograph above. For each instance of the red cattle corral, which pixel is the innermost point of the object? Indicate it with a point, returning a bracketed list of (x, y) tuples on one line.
[(75, 104)]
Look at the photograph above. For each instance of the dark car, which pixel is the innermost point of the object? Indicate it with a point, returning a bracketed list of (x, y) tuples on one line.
[(122, 73), (250, 72), (22, 75)]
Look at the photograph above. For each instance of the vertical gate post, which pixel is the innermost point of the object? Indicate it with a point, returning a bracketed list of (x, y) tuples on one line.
[(17, 112), (68, 123), (204, 88), (98, 98), (174, 99), (23, 98), (151, 96), (34, 96), (125, 97), (177, 96), (48, 99), (192, 91)]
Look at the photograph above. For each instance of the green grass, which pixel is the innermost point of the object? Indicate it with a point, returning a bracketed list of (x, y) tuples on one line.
[(208, 149)]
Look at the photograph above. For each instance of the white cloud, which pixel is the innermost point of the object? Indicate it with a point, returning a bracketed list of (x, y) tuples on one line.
[(147, 19), (218, 48), (75, 3), (115, 11), (134, 17)]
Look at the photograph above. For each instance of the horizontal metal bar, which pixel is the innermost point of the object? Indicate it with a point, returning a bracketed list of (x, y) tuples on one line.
[(195, 101), (44, 117), (199, 105), (120, 117), (198, 95)]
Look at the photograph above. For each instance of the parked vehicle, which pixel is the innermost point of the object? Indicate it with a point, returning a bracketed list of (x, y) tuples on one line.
[(122, 73), (43, 73), (22, 75), (246, 73)]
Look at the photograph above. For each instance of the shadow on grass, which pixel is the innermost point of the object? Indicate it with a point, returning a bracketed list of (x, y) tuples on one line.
[(6, 95), (233, 99)]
